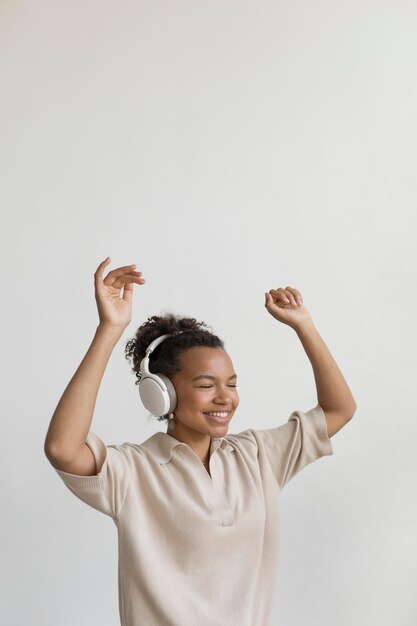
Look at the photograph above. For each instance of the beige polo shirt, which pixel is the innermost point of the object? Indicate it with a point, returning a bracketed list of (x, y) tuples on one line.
[(195, 549)]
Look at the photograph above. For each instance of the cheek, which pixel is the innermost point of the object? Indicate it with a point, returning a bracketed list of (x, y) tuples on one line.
[(200, 397), (194, 400)]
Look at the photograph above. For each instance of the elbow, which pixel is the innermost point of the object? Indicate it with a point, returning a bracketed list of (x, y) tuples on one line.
[(46, 447), (352, 410), (345, 411), (50, 451)]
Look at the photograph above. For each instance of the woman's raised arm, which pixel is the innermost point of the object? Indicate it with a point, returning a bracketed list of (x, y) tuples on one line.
[(71, 421)]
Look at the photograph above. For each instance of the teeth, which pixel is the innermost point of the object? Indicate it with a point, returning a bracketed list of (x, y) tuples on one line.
[(217, 414)]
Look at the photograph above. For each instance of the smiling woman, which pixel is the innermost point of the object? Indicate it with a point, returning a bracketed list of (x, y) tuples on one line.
[(194, 505)]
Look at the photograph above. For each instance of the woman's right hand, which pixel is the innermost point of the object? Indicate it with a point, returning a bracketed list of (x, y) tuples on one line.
[(114, 310)]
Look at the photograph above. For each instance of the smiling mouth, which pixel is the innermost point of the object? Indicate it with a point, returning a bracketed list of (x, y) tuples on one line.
[(220, 416)]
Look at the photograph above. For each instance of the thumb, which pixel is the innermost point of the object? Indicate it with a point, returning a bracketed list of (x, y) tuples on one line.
[(267, 297), (127, 292)]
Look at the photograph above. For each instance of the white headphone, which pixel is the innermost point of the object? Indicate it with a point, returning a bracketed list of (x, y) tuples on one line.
[(156, 390)]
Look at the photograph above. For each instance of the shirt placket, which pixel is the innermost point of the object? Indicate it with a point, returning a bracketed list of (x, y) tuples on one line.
[(221, 501)]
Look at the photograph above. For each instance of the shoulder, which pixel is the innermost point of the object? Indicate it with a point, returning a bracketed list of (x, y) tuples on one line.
[(246, 439)]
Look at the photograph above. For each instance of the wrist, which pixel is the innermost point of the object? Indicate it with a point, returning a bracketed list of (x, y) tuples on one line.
[(304, 327), (111, 332)]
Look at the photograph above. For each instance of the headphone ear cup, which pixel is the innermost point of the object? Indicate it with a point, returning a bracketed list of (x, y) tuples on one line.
[(171, 392), (157, 394)]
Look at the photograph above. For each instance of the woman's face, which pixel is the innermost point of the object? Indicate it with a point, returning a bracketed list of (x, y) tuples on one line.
[(207, 383)]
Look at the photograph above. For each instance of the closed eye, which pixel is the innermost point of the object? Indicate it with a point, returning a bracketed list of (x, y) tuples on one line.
[(208, 386)]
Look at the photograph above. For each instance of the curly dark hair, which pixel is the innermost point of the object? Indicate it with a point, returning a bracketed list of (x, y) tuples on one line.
[(165, 358)]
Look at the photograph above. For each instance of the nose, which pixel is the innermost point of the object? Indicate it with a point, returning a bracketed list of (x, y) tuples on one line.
[(224, 397)]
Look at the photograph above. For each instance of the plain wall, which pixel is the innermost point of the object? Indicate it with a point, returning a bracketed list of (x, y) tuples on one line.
[(226, 148)]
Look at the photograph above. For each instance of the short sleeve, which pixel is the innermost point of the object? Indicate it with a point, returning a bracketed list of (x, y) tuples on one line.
[(293, 445), (105, 491)]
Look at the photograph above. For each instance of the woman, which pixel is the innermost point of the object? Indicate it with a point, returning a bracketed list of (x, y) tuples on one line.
[(196, 508)]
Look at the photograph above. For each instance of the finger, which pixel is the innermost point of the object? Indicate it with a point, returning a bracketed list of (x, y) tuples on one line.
[(98, 274), (113, 278), (290, 296), (280, 294), (128, 280), (271, 300), (296, 295), (288, 292), (120, 270), (121, 281)]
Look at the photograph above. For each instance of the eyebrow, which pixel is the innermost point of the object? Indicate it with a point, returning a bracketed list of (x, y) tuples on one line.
[(212, 377)]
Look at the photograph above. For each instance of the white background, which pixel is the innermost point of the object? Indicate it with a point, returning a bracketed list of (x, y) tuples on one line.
[(226, 148)]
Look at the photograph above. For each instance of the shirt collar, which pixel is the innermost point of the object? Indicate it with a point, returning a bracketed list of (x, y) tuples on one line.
[(162, 445)]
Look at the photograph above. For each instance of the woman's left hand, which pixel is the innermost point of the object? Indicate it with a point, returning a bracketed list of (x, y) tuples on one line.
[(286, 305)]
